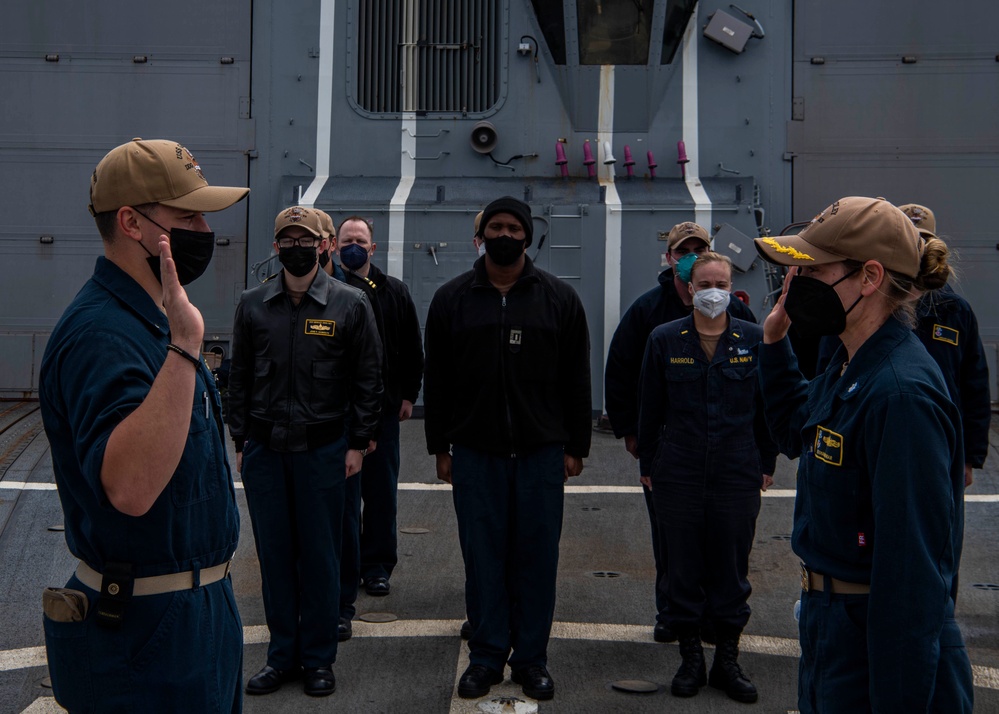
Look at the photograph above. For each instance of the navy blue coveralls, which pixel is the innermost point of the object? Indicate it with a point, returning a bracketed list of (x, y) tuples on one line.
[(880, 502), (507, 389), (948, 329), (703, 439), (656, 307), (174, 651)]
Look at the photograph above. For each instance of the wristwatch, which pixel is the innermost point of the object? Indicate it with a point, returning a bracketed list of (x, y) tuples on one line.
[(363, 452)]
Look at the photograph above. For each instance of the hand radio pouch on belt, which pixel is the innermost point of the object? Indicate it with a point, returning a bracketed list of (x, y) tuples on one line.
[(116, 591)]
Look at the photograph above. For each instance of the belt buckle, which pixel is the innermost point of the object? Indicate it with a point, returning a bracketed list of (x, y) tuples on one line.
[(804, 578)]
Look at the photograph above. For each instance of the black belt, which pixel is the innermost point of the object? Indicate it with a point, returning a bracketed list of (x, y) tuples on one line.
[(316, 435)]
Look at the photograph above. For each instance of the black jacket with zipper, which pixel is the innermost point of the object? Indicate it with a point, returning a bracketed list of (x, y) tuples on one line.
[(317, 364), (399, 329), (507, 374)]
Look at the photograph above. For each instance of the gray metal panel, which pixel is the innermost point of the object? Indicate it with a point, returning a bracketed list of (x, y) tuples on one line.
[(921, 132), (61, 117), (181, 28), (20, 357), (859, 30), (123, 100)]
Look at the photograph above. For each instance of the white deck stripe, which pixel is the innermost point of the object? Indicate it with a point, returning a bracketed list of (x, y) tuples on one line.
[(772, 493), (984, 677), (613, 217), (324, 118), (691, 127)]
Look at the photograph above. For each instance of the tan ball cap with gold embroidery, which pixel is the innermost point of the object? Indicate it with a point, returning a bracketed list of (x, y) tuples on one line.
[(156, 171), (853, 228), (307, 218)]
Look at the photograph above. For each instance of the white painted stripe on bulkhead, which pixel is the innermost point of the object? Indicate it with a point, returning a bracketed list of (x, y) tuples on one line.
[(324, 114), (691, 127), (397, 207), (613, 216)]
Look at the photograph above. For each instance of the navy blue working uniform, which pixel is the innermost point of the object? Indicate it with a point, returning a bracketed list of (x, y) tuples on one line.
[(508, 387), (948, 329), (656, 307), (305, 387), (703, 439), (880, 504), (173, 651)]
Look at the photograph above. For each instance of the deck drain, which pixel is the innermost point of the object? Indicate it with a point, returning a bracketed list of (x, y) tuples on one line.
[(590, 508), (414, 531), (605, 574), (986, 586), (59, 528), (782, 536)]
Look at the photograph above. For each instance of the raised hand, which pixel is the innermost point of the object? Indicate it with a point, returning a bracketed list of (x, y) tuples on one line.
[(777, 323), (187, 326)]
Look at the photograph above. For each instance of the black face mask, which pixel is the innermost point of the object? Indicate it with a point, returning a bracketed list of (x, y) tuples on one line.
[(192, 251), (297, 260), (504, 250), (324, 259), (815, 308)]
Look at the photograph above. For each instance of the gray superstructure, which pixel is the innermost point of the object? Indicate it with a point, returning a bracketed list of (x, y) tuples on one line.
[(409, 111)]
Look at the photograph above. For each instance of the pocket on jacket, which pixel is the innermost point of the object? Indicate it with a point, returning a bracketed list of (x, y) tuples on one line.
[(326, 395)]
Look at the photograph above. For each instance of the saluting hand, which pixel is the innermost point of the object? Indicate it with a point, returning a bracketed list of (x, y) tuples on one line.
[(777, 322), (187, 326)]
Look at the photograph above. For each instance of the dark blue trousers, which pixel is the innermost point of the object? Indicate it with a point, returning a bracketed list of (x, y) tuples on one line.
[(659, 554), (296, 502), (370, 541), (180, 651), (834, 670), (379, 491), (708, 538), (509, 523), (350, 553)]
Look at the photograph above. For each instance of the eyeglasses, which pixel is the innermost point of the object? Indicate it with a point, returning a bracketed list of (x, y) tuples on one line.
[(304, 242)]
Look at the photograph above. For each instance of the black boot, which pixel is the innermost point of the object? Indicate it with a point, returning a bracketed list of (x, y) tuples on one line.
[(727, 675), (692, 674)]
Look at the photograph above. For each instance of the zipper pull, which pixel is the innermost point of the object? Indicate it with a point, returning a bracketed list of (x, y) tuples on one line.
[(504, 301)]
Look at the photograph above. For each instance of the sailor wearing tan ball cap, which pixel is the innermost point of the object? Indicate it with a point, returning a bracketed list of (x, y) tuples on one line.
[(879, 511), (134, 421)]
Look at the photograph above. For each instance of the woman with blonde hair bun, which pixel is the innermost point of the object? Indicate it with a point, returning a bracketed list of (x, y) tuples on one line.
[(879, 511)]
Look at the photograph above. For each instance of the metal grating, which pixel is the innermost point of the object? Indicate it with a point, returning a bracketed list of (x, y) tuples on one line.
[(428, 56)]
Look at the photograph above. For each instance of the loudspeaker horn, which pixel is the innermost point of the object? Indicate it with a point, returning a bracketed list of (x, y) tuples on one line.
[(483, 137)]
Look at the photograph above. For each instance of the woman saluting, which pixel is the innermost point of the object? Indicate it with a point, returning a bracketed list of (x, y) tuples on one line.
[(879, 513)]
